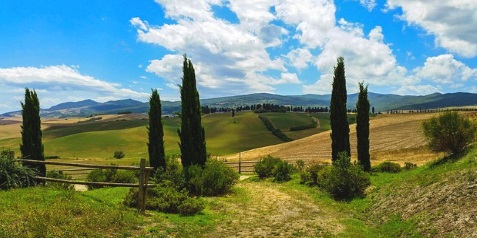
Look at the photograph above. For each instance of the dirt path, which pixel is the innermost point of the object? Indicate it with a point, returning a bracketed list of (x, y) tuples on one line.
[(269, 211)]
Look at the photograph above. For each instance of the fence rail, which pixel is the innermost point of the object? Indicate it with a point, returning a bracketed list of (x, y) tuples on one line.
[(142, 185)]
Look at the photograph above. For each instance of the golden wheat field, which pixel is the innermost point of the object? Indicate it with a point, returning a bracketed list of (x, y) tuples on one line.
[(393, 137)]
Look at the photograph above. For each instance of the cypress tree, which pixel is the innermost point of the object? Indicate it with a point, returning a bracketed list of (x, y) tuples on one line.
[(338, 113), (362, 128), (32, 146), (156, 133), (192, 134)]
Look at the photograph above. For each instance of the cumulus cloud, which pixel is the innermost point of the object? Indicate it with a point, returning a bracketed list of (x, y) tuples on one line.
[(451, 22), (444, 69), (62, 83), (300, 58)]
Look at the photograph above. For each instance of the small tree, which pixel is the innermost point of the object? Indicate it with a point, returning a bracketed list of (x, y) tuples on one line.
[(118, 154), (362, 128), (449, 132), (32, 146), (338, 113), (155, 130)]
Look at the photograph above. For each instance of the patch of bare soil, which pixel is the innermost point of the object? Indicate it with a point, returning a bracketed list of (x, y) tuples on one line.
[(269, 212)]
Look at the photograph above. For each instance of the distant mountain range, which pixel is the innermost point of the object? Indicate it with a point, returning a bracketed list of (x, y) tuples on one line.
[(381, 102)]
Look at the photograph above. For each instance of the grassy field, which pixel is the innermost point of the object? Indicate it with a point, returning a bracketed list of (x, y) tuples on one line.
[(96, 140), (434, 200)]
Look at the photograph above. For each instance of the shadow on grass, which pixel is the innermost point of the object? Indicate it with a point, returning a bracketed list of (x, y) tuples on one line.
[(451, 158)]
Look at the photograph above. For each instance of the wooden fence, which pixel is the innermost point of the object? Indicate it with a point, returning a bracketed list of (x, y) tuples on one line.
[(142, 185)]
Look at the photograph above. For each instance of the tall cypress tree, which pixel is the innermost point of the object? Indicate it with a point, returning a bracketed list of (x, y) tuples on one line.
[(156, 133), (32, 146), (192, 134), (338, 113), (362, 128)]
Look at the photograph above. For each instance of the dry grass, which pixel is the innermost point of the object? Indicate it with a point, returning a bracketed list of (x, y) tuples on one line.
[(393, 137)]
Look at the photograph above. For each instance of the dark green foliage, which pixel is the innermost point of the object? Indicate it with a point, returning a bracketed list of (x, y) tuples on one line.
[(268, 124), (111, 175), (300, 165), (276, 132), (282, 172), (32, 146), (338, 113), (387, 167), (56, 174), (155, 132), (214, 179), (312, 125), (118, 154), (449, 132), (362, 128), (172, 173), (310, 175), (13, 174), (409, 166), (166, 198), (264, 167), (273, 167), (192, 134), (345, 180)]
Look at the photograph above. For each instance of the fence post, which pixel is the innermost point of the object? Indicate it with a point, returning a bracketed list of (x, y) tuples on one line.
[(141, 199), (240, 162)]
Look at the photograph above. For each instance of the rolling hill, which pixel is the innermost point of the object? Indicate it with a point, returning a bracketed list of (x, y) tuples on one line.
[(381, 102)]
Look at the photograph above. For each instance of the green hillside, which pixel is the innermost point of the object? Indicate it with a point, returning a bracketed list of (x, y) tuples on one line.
[(224, 135)]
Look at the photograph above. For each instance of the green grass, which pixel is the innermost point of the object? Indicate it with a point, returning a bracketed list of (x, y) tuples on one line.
[(284, 121)]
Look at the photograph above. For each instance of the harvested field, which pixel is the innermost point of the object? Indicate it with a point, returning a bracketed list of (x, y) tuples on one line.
[(395, 137)]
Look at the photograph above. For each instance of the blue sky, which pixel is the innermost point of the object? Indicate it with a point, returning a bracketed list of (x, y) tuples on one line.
[(115, 49)]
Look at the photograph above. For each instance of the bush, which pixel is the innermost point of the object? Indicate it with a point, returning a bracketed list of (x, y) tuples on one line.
[(118, 155), (56, 174), (282, 172), (409, 166), (387, 167), (273, 167), (300, 165), (215, 178), (345, 180), (449, 132), (310, 175), (264, 167), (166, 198), (111, 175), (13, 174), (173, 173)]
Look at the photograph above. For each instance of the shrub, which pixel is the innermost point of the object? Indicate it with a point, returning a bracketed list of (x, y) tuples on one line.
[(282, 172), (118, 154), (449, 132), (264, 167), (300, 165), (215, 178), (345, 180), (387, 167), (310, 175), (173, 173), (111, 175), (13, 174), (56, 174), (166, 198), (409, 166)]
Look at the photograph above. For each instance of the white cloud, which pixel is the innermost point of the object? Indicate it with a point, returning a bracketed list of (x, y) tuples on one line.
[(300, 58), (61, 83), (451, 22), (444, 69), (368, 4)]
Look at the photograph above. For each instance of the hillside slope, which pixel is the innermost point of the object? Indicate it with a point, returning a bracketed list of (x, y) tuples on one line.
[(439, 198), (393, 137)]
